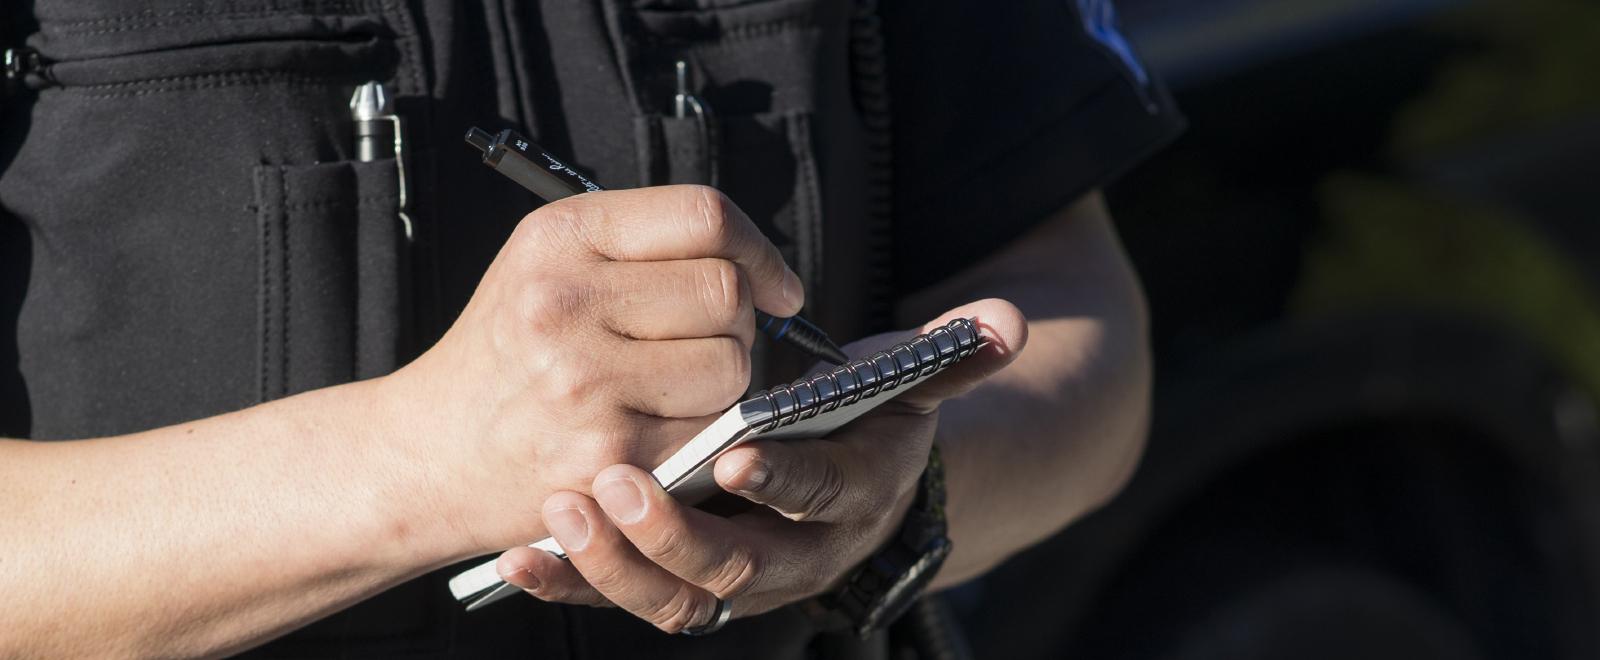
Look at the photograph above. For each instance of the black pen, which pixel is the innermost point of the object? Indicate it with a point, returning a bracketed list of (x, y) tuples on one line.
[(524, 162)]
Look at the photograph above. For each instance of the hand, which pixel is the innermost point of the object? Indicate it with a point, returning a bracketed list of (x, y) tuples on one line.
[(573, 351), (828, 505)]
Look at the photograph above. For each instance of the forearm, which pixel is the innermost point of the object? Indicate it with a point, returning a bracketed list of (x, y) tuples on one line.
[(212, 536), (1055, 456), (1058, 432)]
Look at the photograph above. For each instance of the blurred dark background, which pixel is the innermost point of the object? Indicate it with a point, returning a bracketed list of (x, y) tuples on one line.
[(1373, 265)]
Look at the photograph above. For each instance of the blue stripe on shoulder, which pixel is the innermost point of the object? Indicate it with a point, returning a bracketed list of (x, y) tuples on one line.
[(1100, 21)]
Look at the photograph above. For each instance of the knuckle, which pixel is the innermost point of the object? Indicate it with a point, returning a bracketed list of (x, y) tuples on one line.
[(721, 290), (734, 576), (681, 611), (667, 546), (733, 360), (569, 383), (569, 223), (549, 302), (607, 577), (550, 592), (549, 223), (708, 214), (823, 495), (533, 228)]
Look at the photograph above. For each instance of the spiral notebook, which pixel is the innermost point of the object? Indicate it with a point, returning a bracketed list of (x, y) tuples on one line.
[(808, 408)]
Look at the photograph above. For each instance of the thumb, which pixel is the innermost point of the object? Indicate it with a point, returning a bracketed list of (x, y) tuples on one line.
[(1004, 331)]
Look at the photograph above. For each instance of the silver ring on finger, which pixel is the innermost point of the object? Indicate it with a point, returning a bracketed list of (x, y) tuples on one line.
[(719, 618)]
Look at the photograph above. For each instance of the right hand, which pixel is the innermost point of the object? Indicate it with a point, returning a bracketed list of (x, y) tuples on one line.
[(610, 329)]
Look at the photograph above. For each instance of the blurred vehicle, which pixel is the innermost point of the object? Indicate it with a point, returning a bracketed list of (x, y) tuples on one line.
[(1374, 272)]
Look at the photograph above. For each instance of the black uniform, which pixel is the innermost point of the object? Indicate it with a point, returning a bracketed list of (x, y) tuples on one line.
[(184, 232)]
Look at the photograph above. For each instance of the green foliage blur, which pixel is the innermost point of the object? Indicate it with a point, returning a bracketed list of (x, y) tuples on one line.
[(1388, 242)]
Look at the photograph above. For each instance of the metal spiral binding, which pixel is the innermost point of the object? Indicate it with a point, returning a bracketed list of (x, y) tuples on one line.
[(885, 370)]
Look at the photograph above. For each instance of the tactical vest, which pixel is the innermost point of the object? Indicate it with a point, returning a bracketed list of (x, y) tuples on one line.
[(185, 231)]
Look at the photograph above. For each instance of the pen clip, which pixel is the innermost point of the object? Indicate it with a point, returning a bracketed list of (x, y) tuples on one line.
[(403, 203)]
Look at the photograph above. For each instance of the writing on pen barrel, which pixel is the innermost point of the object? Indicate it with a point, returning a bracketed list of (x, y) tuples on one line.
[(524, 162)]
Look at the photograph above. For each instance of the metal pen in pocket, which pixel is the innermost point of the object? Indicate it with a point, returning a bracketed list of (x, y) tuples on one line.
[(374, 122)]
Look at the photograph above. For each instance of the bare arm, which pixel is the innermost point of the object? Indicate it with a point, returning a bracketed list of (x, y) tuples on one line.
[(1058, 432), (218, 535), (208, 537)]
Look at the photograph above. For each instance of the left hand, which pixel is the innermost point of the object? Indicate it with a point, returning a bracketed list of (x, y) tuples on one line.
[(829, 504)]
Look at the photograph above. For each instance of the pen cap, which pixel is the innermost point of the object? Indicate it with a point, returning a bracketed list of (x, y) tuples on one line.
[(369, 102)]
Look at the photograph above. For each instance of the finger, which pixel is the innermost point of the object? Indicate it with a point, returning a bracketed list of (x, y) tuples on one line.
[(829, 480), (1003, 328), (679, 300), (610, 563), (705, 550), (547, 577), (683, 377), (680, 222)]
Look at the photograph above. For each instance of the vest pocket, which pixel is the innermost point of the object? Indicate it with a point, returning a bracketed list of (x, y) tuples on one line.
[(766, 164), (331, 304)]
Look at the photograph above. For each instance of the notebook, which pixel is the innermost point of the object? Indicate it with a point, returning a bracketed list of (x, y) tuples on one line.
[(808, 408)]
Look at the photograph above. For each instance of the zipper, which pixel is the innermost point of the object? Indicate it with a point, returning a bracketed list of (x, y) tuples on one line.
[(25, 67), (869, 80)]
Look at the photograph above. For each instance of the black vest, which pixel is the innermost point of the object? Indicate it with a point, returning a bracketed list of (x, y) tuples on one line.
[(184, 230)]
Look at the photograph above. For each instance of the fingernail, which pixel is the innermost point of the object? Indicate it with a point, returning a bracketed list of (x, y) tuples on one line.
[(569, 527), (523, 578), (754, 475), (793, 292), (621, 498)]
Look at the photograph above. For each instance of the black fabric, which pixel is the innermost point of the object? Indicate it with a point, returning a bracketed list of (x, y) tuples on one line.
[(1003, 113), (183, 231)]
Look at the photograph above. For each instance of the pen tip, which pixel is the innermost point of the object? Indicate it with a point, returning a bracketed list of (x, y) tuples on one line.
[(834, 355)]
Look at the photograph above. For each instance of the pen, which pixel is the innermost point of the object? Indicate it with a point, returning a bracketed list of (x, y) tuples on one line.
[(520, 160), (378, 136), (368, 107)]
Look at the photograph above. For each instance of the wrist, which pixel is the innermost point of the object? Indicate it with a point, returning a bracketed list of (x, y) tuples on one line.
[(878, 591), (417, 495)]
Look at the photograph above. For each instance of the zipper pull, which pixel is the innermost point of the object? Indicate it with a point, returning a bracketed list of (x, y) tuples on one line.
[(25, 67)]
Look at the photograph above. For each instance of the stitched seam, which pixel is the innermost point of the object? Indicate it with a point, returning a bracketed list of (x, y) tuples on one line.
[(266, 219), (332, 8), (322, 204), (740, 42), (356, 341), (398, 19), (726, 35), (283, 182), (136, 27), (757, 30), (808, 199), (229, 75), (145, 26), (292, 81)]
